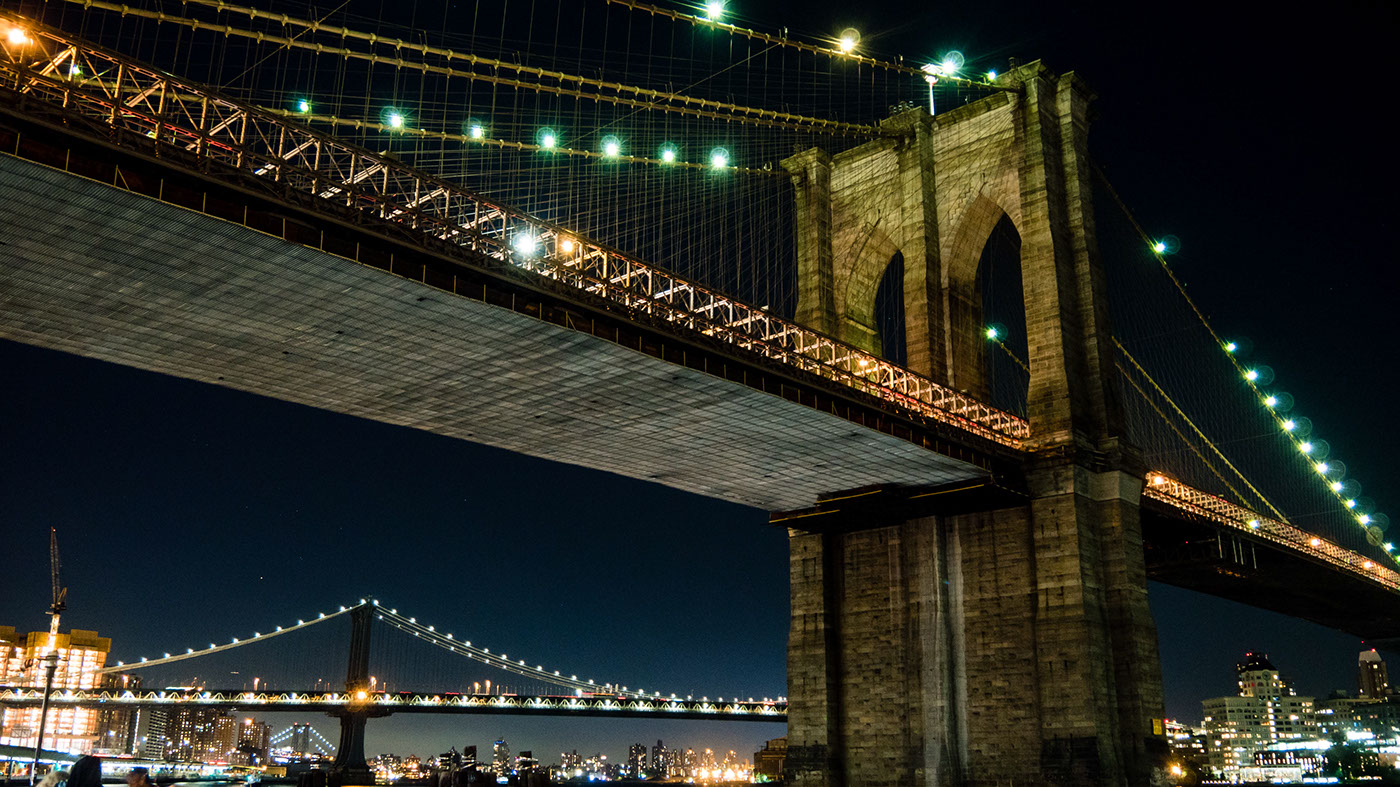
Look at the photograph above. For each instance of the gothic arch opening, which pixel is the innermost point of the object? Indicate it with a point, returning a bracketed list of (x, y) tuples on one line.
[(889, 312), (1003, 308)]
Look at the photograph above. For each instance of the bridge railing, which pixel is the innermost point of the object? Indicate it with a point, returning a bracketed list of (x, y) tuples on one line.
[(1217, 509), (774, 710), (174, 113)]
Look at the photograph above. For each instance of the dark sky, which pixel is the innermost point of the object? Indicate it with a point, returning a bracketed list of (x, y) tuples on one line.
[(189, 513)]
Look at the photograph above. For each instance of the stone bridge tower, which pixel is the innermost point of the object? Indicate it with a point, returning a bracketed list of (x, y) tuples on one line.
[(1003, 646)]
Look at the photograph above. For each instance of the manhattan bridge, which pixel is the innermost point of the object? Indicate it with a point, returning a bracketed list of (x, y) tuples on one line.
[(898, 305)]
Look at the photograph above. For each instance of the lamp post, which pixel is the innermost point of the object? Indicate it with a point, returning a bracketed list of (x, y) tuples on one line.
[(50, 667)]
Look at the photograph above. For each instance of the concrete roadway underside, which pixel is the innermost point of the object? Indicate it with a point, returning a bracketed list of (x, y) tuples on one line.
[(97, 271)]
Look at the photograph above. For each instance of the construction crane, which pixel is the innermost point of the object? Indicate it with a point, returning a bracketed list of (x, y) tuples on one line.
[(60, 593), (50, 659)]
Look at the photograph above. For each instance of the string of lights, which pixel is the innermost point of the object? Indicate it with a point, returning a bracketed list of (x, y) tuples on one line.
[(1277, 405), (844, 45), (612, 150), (399, 44), (731, 113), (234, 642)]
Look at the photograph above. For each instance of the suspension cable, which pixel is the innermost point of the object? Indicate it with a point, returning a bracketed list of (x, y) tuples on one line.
[(191, 653), (512, 145), (716, 110), (821, 50), (1185, 418)]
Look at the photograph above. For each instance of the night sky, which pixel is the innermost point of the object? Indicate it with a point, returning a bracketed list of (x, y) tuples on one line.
[(189, 513)]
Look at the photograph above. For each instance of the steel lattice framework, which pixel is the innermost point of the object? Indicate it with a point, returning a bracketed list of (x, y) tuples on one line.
[(174, 112), (405, 702), (1221, 511)]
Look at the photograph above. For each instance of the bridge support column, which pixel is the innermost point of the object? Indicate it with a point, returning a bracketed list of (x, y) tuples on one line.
[(351, 767), (1011, 645), (995, 643)]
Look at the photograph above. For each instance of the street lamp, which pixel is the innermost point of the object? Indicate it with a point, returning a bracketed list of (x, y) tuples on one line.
[(50, 667)]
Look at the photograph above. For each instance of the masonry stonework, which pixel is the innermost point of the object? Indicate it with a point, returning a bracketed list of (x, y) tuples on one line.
[(1006, 646)]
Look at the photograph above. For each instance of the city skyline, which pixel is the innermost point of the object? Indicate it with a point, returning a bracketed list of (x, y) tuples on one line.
[(189, 513)]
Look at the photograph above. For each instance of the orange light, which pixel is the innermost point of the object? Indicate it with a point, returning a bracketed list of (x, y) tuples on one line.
[(16, 36), (1317, 542), (567, 246), (1158, 480), (1369, 564)]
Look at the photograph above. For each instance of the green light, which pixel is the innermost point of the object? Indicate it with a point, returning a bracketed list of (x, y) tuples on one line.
[(668, 154), (1290, 425), (303, 106), (1305, 447), (1321, 468), (1159, 247), (714, 10), (395, 120), (612, 146), (1251, 375), (991, 76), (992, 333), (476, 131), (75, 71), (1364, 519), (1336, 486), (1270, 401), (1389, 547), (1231, 347), (1351, 504), (719, 158)]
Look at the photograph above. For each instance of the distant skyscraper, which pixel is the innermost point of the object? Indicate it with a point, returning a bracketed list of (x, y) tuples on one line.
[(636, 759), (500, 758), (1266, 711), (1372, 679), (200, 735), (80, 655)]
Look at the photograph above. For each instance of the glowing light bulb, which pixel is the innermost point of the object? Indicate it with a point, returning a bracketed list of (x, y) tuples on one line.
[(1368, 564), (1321, 468), (1231, 347), (1317, 542), (567, 246), (1254, 524), (1251, 375), (525, 243), (719, 158), (611, 146), (1290, 425), (548, 141), (991, 76), (16, 36), (1351, 504), (1364, 519), (75, 70), (1336, 486), (1270, 401), (395, 120), (476, 131), (1389, 547), (992, 333), (303, 106), (1159, 247), (847, 40), (1306, 447), (714, 10), (668, 154)]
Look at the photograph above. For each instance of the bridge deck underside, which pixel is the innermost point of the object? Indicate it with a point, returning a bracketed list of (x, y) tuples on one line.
[(1202, 556), (100, 272)]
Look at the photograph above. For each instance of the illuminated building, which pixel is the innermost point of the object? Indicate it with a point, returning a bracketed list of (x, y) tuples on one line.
[(636, 759), (768, 761), (525, 763), (660, 760), (80, 655), (117, 728), (1372, 679), (253, 739), (500, 758), (1265, 712), (200, 735)]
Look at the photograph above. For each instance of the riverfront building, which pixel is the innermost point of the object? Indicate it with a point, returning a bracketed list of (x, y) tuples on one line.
[(80, 655), (1266, 711)]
